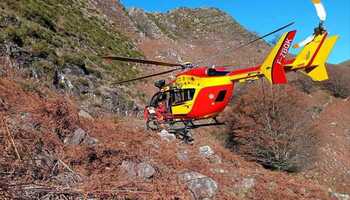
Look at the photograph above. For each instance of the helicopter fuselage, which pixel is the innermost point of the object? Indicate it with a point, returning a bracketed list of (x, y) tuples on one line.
[(210, 93), (204, 92)]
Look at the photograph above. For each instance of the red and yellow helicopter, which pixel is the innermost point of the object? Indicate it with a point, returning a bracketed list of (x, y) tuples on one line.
[(203, 92)]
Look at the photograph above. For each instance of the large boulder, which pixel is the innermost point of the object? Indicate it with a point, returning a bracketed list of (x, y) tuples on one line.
[(78, 137), (201, 186)]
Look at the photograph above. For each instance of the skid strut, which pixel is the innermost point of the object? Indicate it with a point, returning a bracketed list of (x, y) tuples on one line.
[(181, 129)]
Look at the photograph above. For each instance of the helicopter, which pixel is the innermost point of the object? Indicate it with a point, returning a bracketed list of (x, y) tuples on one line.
[(201, 92)]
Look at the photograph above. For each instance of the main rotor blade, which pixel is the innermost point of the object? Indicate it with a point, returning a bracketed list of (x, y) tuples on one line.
[(230, 49), (142, 61), (148, 76), (264, 36)]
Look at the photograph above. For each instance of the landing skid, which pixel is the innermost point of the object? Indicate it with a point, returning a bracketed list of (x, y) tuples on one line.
[(181, 128), (207, 124)]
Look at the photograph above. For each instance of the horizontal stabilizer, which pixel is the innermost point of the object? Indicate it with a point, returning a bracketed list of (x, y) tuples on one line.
[(313, 57), (318, 73)]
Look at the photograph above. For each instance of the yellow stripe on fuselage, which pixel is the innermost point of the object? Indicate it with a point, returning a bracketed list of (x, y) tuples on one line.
[(197, 83)]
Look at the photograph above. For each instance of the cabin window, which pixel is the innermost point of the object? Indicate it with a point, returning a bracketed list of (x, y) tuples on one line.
[(221, 96), (214, 72), (180, 96)]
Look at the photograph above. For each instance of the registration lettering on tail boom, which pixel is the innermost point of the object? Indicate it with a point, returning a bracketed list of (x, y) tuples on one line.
[(273, 66)]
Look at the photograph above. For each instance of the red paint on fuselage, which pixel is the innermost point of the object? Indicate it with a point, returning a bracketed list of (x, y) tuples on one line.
[(244, 71), (205, 105), (199, 71)]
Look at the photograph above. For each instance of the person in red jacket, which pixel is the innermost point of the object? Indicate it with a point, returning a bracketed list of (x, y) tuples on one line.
[(161, 111)]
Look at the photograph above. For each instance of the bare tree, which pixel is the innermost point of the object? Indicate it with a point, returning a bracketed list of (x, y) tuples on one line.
[(270, 126)]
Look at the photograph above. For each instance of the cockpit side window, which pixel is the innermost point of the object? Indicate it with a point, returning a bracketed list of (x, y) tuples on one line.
[(180, 96), (158, 97)]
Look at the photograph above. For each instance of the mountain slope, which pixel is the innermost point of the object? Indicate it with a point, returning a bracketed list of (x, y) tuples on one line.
[(57, 153), (60, 44), (345, 63), (197, 35)]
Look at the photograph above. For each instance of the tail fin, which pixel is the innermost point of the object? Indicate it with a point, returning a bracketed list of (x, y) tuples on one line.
[(273, 66), (311, 60)]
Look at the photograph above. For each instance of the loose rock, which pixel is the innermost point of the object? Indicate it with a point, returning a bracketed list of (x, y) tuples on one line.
[(201, 186), (129, 167), (182, 155), (77, 137), (206, 151), (141, 170), (166, 136), (145, 170), (80, 137)]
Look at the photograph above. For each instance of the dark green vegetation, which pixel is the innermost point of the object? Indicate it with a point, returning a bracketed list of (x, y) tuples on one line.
[(63, 34)]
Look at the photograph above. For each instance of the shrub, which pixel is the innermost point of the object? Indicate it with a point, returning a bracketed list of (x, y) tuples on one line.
[(338, 83), (273, 128), (305, 84)]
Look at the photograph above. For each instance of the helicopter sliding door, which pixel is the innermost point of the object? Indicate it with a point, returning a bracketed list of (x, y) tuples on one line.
[(182, 100)]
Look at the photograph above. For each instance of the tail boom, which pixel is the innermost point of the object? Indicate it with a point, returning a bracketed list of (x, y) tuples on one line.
[(310, 61)]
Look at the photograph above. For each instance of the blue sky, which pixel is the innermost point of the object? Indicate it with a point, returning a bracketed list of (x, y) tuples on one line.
[(265, 16)]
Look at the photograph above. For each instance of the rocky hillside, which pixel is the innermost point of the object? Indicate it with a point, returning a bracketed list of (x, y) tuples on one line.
[(54, 150), (68, 132), (61, 45), (196, 35)]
